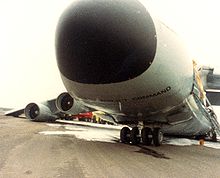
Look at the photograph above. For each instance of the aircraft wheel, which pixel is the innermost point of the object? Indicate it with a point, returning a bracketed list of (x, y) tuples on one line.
[(157, 136), (147, 136), (125, 135), (135, 139)]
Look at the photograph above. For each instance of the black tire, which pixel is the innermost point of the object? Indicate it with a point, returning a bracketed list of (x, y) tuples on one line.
[(135, 139), (147, 136), (125, 135), (157, 137)]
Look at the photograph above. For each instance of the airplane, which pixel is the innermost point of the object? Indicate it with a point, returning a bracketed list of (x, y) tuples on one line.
[(115, 57)]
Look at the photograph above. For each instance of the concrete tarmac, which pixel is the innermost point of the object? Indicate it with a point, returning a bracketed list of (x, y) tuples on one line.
[(26, 153)]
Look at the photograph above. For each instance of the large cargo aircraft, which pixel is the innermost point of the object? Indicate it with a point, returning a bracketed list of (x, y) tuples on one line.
[(115, 57)]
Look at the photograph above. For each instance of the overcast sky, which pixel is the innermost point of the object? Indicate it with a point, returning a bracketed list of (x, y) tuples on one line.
[(28, 70)]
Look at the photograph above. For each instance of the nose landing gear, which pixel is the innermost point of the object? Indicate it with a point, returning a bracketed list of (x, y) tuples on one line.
[(147, 136)]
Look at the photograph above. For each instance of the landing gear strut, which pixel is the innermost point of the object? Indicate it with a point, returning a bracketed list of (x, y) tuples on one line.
[(147, 136)]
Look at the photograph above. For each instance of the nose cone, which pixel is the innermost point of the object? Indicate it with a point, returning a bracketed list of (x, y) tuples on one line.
[(105, 41)]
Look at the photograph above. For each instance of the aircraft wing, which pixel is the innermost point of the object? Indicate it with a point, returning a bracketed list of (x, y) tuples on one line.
[(44, 111), (213, 88), (213, 96), (211, 82), (15, 112), (48, 110)]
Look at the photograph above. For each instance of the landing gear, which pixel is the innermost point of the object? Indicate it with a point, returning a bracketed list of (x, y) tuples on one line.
[(213, 136), (147, 136), (157, 136), (135, 136), (125, 135), (210, 136)]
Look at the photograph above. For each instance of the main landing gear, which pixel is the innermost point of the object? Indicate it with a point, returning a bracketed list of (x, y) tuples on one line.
[(210, 136), (147, 136), (213, 136)]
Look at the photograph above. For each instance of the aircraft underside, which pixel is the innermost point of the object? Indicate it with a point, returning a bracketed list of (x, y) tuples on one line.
[(198, 121)]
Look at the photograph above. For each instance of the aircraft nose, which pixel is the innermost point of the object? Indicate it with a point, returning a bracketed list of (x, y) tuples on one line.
[(105, 41)]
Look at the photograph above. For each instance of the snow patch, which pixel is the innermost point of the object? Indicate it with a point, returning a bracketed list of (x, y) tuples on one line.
[(181, 141), (188, 142), (108, 133), (55, 125), (57, 132), (85, 133)]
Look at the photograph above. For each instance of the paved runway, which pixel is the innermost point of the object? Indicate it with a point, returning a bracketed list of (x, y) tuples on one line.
[(26, 152)]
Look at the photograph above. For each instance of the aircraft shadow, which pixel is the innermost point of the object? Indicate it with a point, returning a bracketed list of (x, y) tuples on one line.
[(145, 150), (151, 152)]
